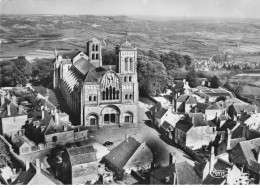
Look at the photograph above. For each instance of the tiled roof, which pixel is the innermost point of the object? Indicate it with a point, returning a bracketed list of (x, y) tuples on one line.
[(83, 66), (240, 108), (156, 106), (185, 174), (234, 142), (254, 166), (94, 74), (182, 98), (166, 125), (202, 106), (229, 124), (119, 155), (94, 40), (161, 113), (222, 165), (19, 140), (66, 61), (13, 109), (214, 106), (81, 155), (210, 180), (126, 45), (191, 100), (186, 123)]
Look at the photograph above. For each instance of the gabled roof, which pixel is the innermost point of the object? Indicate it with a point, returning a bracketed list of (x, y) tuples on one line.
[(210, 180), (186, 123), (191, 100), (83, 66), (94, 40), (30, 177), (182, 98), (126, 46), (235, 141), (240, 108), (19, 140), (94, 74), (13, 109), (120, 155), (81, 155), (249, 149), (156, 106), (185, 174), (202, 106), (166, 125), (161, 113), (229, 124), (66, 61)]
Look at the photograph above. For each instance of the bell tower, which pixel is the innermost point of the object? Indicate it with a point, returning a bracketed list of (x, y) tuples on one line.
[(94, 52), (126, 58)]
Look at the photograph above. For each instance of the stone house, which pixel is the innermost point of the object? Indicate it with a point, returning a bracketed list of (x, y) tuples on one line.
[(176, 173), (129, 155), (184, 103), (35, 175), (217, 171), (79, 166), (22, 145), (12, 116), (193, 131), (236, 110)]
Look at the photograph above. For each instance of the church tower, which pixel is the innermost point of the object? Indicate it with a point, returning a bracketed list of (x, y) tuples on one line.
[(126, 67), (94, 52), (56, 74)]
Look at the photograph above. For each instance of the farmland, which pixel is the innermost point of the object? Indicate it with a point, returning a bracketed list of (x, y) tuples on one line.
[(33, 36)]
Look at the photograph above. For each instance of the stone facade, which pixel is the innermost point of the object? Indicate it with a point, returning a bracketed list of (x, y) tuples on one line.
[(98, 96)]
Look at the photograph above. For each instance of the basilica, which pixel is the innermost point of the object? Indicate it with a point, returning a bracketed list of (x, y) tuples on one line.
[(98, 95)]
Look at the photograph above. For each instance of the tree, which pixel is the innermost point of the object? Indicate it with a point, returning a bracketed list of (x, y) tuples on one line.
[(215, 82), (239, 90), (192, 77), (4, 154)]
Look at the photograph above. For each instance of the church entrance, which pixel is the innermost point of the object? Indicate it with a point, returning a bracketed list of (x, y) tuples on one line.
[(110, 115)]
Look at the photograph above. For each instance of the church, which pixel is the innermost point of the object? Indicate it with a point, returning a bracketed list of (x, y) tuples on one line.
[(98, 95)]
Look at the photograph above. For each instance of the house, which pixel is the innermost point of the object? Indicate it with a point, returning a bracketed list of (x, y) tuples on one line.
[(201, 81), (236, 110), (184, 103), (35, 175), (129, 155), (247, 154), (213, 110), (51, 130), (251, 120), (79, 166), (22, 145), (176, 173), (217, 171), (193, 131), (154, 110), (12, 116)]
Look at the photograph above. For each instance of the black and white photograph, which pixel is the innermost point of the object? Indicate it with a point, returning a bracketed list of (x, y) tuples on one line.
[(129, 92)]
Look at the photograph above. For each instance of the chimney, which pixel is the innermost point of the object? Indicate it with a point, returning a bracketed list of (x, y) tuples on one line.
[(206, 118), (8, 110), (206, 99), (8, 95), (255, 110), (42, 107), (20, 109), (172, 158), (78, 128), (174, 178), (38, 166), (56, 117), (65, 128), (126, 137), (14, 99), (27, 165), (43, 112), (258, 155), (212, 159), (42, 165), (196, 110), (2, 100), (229, 134), (192, 120), (244, 131)]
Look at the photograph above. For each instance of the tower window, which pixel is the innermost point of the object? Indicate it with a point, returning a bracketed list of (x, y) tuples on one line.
[(130, 78), (93, 47), (90, 98), (125, 79), (126, 64), (94, 98), (131, 64), (130, 96), (97, 56), (126, 96), (96, 47), (93, 56)]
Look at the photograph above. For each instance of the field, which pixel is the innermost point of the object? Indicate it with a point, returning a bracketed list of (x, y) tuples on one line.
[(29, 35)]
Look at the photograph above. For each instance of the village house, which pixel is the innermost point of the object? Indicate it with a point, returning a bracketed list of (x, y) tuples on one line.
[(216, 171), (193, 131), (247, 154), (129, 155), (12, 116), (236, 110), (176, 173), (79, 166), (251, 120), (35, 175), (184, 103)]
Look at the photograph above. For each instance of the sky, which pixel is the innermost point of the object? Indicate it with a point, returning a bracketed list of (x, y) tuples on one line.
[(169, 8)]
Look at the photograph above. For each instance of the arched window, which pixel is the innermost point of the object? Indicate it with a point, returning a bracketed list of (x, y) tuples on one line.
[(94, 98), (110, 93), (97, 56), (130, 96), (130, 78), (107, 93), (131, 64), (125, 79), (90, 98), (93, 56), (126, 96), (126, 63), (103, 95), (128, 117), (93, 47), (97, 47), (114, 93), (117, 94)]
